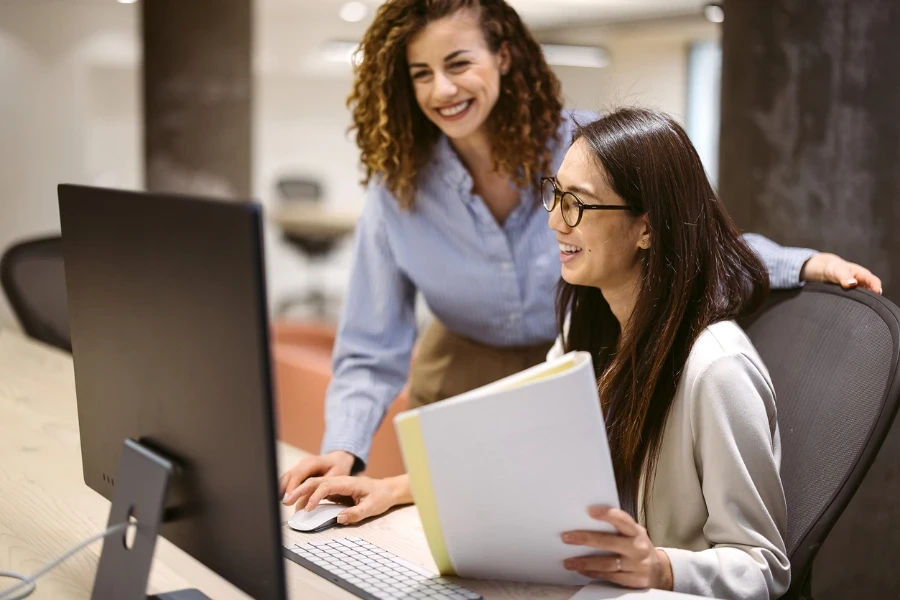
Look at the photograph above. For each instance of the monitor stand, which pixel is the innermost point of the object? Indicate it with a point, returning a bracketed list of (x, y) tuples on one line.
[(140, 493)]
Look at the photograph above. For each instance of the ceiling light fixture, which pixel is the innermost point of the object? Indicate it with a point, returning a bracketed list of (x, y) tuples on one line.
[(354, 12), (560, 55), (714, 12), (127, 1)]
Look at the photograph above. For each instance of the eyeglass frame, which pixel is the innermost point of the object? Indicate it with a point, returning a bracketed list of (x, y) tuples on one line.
[(558, 195)]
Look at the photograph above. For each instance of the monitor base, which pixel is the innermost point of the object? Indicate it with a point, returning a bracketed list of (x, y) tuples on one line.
[(181, 595), (139, 499)]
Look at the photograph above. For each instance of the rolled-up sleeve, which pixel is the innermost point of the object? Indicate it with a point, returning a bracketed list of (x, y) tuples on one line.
[(783, 263), (375, 337), (737, 451)]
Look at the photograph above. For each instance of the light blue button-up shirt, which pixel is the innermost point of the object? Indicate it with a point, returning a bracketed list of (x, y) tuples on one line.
[(493, 283)]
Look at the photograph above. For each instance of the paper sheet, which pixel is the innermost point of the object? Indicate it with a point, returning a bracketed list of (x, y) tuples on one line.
[(513, 470)]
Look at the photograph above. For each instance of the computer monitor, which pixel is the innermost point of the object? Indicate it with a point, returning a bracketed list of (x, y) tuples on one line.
[(170, 341)]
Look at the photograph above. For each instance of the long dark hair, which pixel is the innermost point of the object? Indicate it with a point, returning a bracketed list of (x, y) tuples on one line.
[(697, 271)]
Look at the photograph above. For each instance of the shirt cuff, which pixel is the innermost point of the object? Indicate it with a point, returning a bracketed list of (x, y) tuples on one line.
[(680, 561), (348, 439), (785, 274)]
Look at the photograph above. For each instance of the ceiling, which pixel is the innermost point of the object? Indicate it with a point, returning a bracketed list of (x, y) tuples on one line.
[(536, 13)]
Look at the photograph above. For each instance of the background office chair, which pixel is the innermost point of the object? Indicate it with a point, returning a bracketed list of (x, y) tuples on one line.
[(833, 358), (318, 248), (33, 279)]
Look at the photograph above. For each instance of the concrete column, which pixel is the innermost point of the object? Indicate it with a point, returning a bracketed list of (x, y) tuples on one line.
[(810, 141), (810, 156), (197, 85)]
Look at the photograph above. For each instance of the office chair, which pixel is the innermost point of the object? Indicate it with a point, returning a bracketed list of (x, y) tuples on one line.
[(833, 358), (33, 278), (304, 192)]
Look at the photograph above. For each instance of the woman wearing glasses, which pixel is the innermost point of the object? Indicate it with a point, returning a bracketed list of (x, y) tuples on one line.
[(654, 275), (458, 116)]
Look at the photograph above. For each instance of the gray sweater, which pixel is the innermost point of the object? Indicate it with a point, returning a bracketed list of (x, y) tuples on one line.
[(717, 505)]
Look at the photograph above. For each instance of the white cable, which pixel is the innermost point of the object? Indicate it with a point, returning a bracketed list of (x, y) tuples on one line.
[(28, 584)]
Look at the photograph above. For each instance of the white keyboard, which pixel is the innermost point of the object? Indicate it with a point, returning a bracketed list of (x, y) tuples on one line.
[(372, 573)]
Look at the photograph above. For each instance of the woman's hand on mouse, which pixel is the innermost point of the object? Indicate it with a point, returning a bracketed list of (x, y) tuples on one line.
[(370, 497), (328, 465), (633, 561)]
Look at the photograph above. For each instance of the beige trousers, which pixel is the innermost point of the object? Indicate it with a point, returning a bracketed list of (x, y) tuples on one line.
[(448, 364)]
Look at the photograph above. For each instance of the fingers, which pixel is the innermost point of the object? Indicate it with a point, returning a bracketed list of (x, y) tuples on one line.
[(611, 542), (300, 495), (843, 275), (594, 564), (336, 486), (285, 483), (624, 572), (365, 509), (302, 471), (618, 518), (850, 275), (867, 280)]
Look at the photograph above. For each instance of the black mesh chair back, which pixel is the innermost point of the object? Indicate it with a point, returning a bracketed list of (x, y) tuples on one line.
[(833, 357), (34, 281)]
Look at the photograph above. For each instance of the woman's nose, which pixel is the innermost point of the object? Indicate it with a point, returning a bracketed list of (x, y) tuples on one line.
[(555, 220), (444, 87)]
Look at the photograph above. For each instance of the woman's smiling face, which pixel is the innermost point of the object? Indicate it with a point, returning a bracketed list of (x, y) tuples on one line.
[(455, 75), (604, 249)]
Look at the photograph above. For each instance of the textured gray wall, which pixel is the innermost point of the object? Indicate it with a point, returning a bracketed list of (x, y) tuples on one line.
[(810, 152), (810, 156), (197, 96)]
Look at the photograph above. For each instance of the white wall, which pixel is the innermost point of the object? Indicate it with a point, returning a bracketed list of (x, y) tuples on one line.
[(648, 64), (69, 107), (56, 124)]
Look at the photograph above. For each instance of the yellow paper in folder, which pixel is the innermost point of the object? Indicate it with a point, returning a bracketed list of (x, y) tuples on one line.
[(500, 472)]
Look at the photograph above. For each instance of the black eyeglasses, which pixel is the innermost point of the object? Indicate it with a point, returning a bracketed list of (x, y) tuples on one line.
[(569, 204)]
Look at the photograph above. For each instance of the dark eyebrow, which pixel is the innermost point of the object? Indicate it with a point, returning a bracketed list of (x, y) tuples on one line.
[(453, 55), (576, 189), (450, 56)]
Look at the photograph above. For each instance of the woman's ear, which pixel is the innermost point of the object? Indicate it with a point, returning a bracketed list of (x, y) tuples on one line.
[(505, 59), (644, 239)]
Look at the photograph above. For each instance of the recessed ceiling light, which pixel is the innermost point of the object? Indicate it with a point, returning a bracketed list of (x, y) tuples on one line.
[(127, 1), (714, 12), (575, 56), (354, 12)]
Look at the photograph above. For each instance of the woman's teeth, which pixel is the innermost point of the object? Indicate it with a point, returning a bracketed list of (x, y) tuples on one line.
[(455, 109), (569, 249)]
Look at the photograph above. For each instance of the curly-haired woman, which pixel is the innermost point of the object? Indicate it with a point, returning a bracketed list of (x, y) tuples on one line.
[(458, 116)]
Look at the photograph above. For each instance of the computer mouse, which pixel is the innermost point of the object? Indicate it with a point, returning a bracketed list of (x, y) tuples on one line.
[(318, 519)]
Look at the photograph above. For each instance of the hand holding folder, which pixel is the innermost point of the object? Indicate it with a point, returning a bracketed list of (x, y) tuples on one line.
[(499, 473)]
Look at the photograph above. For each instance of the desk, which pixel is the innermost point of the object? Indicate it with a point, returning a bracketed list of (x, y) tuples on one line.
[(45, 507)]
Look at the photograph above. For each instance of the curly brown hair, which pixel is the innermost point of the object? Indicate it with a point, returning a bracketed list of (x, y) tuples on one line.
[(395, 137)]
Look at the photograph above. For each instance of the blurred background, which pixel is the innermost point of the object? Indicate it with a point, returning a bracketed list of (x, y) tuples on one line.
[(71, 107), (792, 105)]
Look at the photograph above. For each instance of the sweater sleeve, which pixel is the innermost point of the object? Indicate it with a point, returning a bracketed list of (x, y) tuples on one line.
[(737, 454)]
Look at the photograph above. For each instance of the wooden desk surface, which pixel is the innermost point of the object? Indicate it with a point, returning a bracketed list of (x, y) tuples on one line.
[(45, 507)]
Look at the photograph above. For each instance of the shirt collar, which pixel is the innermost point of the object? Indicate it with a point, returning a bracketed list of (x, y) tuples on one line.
[(457, 176), (452, 169)]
